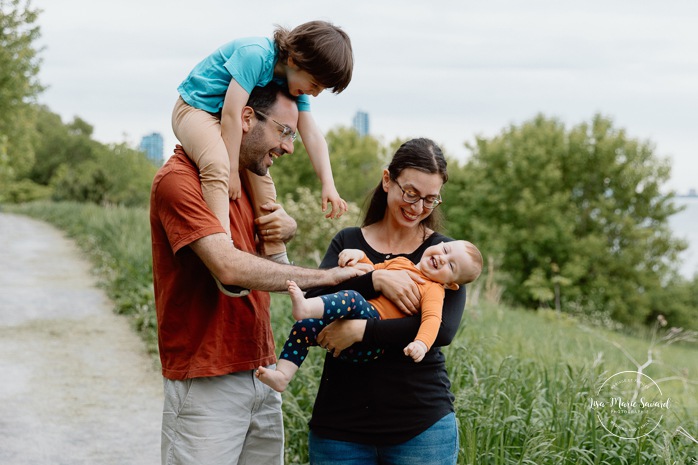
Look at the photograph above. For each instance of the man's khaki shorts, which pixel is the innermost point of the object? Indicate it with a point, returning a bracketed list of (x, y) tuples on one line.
[(231, 419)]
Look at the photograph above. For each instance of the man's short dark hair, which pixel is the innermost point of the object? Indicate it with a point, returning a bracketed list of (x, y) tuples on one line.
[(264, 98)]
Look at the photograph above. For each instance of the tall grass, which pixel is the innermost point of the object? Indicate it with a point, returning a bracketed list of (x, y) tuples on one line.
[(523, 383), (522, 380)]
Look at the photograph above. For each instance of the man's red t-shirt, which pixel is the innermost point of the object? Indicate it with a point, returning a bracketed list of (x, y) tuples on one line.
[(201, 332)]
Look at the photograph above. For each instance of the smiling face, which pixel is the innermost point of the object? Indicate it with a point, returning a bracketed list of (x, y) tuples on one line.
[(446, 263), (300, 82), (402, 213), (262, 141)]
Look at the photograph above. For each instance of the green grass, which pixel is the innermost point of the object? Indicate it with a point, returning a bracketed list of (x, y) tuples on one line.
[(522, 380)]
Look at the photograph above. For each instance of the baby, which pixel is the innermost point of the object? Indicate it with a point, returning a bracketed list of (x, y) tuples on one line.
[(443, 266)]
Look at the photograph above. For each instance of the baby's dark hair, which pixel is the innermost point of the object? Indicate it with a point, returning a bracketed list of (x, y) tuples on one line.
[(319, 48)]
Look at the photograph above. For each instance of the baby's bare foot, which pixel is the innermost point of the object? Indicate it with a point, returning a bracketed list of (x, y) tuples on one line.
[(276, 380), (298, 302)]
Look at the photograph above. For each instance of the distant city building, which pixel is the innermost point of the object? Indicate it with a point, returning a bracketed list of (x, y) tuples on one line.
[(360, 123), (152, 146)]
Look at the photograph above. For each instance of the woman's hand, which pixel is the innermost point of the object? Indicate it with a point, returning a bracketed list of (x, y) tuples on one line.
[(341, 334), (400, 288)]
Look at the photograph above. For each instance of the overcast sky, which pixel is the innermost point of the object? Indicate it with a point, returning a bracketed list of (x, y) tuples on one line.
[(448, 70)]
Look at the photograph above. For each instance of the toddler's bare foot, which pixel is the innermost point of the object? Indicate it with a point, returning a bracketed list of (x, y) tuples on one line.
[(299, 303), (275, 379)]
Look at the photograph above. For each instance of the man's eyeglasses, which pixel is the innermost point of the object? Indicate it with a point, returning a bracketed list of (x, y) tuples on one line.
[(430, 201), (286, 132)]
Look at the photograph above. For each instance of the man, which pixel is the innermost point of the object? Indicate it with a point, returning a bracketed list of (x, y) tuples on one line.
[(216, 411)]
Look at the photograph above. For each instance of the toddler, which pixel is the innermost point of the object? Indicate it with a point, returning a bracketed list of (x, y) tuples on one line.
[(206, 119)]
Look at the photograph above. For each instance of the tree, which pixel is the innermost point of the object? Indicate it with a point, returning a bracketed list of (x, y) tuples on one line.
[(81, 169), (113, 174), (19, 86), (677, 304), (292, 171), (130, 175), (356, 165), (357, 162), (314, 232), (58, 144), (574, 218)]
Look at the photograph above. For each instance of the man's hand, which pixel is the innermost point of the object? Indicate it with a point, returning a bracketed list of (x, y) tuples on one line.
[(416, 350), (277, 225), (365, 267), (341, 274)]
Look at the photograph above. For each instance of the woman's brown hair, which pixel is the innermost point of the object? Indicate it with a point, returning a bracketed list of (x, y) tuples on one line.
[(422, 155)]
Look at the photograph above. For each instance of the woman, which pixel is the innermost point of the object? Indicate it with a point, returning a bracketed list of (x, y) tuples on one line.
[(391, 410)]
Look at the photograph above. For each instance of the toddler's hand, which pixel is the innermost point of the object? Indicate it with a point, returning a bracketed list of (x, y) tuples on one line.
[(416, 350), (277, 225), (339, 205), (234, 186)]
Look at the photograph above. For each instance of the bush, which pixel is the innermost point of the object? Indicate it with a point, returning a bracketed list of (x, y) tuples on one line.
[(24, 190), (314, 230)]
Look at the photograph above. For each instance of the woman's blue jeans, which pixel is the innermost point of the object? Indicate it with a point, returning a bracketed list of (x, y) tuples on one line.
[(438, 445)]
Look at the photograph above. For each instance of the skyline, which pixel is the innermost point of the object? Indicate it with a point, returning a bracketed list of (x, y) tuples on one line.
[(451, 71)]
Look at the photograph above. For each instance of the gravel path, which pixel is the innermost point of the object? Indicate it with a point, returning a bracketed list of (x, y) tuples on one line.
[(78, 387)]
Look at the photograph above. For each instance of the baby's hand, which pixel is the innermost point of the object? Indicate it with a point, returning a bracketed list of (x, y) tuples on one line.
[(339, 205), (234, 187), (416, 350), (349, 257)]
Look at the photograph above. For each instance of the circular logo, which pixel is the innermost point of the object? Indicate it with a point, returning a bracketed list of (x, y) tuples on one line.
[(629, 405)]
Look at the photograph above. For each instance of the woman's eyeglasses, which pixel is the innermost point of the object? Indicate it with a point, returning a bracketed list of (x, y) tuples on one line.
[(430, 201)]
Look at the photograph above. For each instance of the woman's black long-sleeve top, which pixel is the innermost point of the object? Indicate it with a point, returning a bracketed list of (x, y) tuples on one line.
[(392, 399)]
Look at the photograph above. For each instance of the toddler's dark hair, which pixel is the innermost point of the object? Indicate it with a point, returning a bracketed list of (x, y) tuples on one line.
[(321, 49)]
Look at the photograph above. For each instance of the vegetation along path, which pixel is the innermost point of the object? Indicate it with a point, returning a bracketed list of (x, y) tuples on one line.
[(78, 386)]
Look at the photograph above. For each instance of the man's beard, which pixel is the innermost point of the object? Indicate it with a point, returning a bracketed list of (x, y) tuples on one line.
[(254, 151)]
